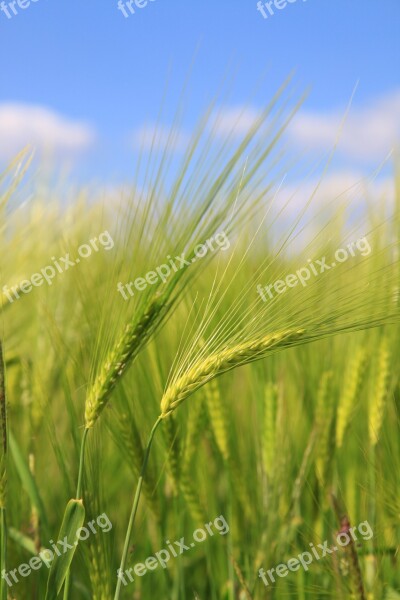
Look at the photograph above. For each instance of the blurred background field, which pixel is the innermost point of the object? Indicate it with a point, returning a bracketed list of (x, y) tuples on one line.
[(282, 448)]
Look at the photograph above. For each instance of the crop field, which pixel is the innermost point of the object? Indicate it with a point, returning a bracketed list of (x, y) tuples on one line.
[(199, 383)]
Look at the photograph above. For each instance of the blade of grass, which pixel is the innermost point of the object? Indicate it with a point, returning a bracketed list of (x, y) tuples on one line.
[(28, 481), (73, 519)]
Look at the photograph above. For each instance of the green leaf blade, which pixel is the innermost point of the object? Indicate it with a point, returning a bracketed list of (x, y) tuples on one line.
[(73, 519)]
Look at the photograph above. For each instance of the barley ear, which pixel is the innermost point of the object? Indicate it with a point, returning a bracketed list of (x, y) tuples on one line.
[(204, 370), (221, 424), (118, 361), (379, 392), (353, 562), (101, 588), (219, 418), (191, 496), (132, 446), (196, 425), (351, 385)]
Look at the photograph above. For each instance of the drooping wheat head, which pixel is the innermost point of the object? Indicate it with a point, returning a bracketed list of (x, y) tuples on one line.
[(216, 364), (119, 359)]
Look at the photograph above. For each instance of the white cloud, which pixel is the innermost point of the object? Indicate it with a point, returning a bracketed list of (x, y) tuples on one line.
[(350, 188), (235, 120), (41, 127), (346, 195), (159, 137), (369, 133)]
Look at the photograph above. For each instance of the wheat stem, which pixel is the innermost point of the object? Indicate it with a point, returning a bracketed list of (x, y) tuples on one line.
[(134, 509), (81, 464), (78, 495)]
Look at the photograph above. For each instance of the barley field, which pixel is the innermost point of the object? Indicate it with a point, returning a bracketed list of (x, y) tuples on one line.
[(199, 384)]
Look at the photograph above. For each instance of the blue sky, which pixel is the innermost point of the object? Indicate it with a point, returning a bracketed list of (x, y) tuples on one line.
[(83, 72)]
